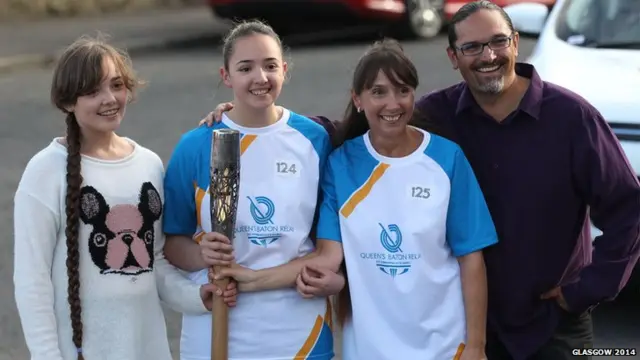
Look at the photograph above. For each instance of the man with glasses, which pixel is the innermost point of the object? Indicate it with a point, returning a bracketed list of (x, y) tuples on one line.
[(546, 160)]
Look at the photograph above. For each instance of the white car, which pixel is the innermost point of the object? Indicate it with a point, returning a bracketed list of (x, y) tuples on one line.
[(591, 47)]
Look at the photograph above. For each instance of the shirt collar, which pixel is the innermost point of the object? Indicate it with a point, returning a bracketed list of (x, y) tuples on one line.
[(530, 102)]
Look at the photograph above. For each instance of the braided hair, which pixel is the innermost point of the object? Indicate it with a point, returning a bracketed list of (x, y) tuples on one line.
[(78, 72)]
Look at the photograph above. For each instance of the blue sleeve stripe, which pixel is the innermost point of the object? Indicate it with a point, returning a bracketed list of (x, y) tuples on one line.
[(469, 224), (314, 132), (328, 219), (186, 178)]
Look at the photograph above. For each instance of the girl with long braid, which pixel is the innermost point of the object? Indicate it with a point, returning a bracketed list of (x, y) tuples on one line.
[(89, 261)]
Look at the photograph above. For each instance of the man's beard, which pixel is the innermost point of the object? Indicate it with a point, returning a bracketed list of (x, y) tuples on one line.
[(493, 87), (495, 84)]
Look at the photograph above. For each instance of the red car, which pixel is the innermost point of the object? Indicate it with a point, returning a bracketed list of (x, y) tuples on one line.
[(451, 6), (416, 18)]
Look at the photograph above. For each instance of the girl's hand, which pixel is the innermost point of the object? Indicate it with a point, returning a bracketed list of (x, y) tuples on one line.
[(245, 277), (316, 280), (216, 249), (229, 296)]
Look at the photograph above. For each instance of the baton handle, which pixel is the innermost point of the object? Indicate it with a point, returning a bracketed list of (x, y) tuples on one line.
[(220, 322)]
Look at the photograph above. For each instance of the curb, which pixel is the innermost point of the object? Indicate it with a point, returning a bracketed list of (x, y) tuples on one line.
[(133, 48)]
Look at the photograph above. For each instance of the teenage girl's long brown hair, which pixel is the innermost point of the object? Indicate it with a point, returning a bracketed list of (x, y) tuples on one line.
[(79, 71), (387, 56)]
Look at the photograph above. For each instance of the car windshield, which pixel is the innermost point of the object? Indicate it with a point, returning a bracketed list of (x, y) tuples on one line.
[(600, 23)]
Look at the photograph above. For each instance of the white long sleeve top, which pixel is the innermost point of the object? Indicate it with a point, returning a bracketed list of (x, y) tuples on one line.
[(123, 273)]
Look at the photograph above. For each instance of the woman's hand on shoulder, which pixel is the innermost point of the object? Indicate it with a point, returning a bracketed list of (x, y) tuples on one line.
[(216, 115)]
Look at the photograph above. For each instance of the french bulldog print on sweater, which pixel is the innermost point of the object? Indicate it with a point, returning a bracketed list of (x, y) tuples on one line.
[(122, 239)]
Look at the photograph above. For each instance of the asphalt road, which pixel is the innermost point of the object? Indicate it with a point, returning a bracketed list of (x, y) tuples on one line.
[(184, 86)]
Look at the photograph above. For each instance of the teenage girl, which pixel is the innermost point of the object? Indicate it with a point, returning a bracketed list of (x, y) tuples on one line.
[(282, 157), (88, 239)]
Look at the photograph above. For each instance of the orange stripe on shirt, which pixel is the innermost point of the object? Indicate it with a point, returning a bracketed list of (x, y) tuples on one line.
[(199, 198), (458, 354), (245, 142), (198, 237), (362, 193), (311, 339), (328, 315)]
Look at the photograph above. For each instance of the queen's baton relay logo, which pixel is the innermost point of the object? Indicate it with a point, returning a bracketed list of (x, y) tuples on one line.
[(265, 231), (394, 262)]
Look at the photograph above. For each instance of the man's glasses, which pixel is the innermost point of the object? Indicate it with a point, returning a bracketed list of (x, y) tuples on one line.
[(474, 48)]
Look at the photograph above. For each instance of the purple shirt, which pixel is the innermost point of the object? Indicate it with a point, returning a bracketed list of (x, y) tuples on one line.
[(540, 170)]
